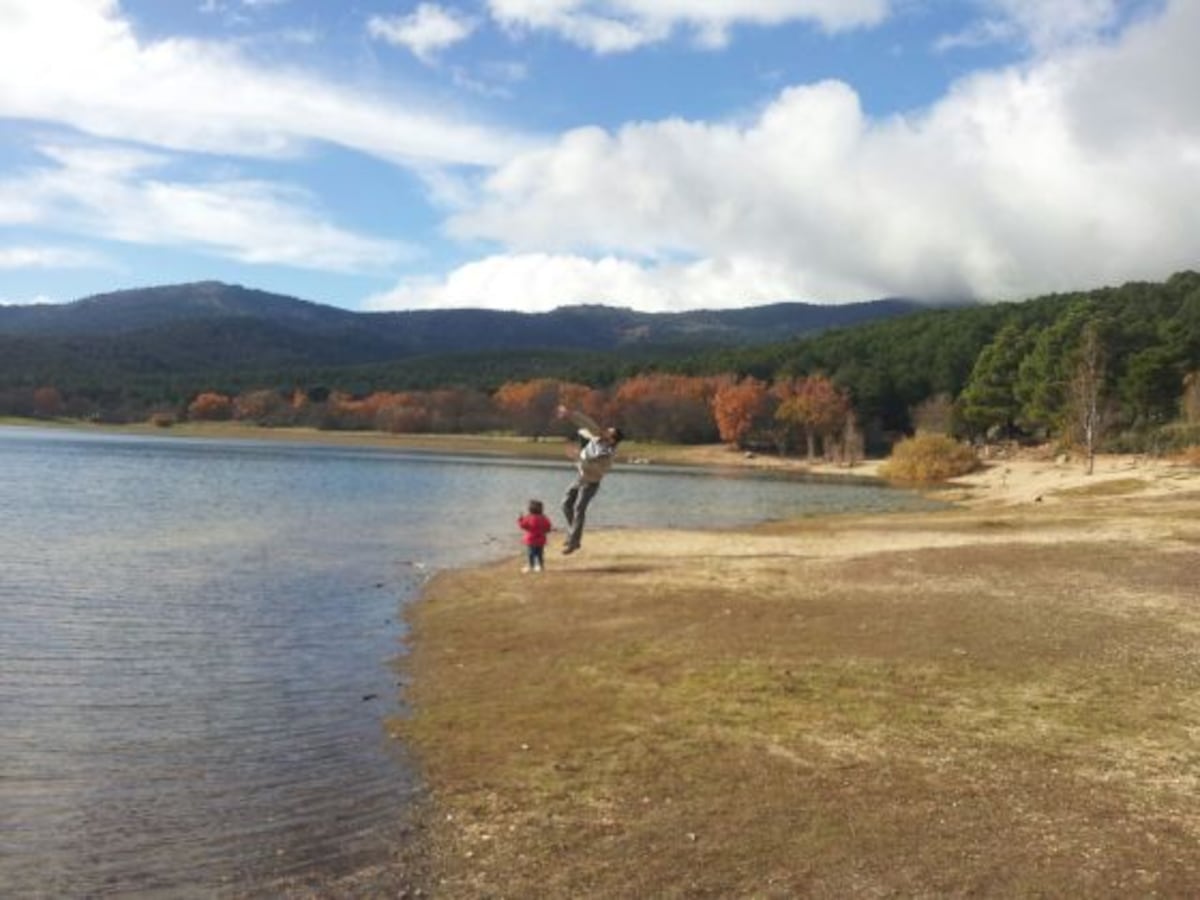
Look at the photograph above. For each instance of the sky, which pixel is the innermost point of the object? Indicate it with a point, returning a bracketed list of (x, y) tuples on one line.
[(661, 155)]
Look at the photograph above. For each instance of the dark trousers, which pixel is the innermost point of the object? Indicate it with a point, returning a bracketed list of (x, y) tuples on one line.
[(574, 508)]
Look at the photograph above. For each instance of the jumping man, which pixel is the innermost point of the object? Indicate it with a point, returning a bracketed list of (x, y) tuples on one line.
[(595, 459)]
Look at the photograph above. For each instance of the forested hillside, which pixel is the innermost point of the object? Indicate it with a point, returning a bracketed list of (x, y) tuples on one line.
[(214, 328), (1129, 354)]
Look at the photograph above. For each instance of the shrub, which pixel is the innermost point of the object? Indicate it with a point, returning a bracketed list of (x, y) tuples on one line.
[(1158, 440), (927, 459)]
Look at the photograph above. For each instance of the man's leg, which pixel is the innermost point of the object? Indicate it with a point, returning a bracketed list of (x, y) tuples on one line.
[(584, 491), (568, 504)]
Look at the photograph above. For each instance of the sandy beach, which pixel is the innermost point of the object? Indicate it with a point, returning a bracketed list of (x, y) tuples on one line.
[(998, 699)]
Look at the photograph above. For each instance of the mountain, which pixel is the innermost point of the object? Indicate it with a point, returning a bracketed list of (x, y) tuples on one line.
[(189, 326), (142, 308)]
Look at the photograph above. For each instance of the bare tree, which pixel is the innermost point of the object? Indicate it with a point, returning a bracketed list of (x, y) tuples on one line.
[(1087, 392), (1191, 397)]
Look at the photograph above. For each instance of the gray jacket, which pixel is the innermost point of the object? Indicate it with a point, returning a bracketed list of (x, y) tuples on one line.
[(596, 456)]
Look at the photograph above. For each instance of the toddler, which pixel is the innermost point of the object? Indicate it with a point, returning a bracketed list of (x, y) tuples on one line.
[(536, 526)]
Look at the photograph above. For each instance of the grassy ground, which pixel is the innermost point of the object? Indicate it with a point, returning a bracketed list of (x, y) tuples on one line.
[(971, 703)]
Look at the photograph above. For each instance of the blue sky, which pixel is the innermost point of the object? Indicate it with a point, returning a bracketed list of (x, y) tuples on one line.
[(656, 154)]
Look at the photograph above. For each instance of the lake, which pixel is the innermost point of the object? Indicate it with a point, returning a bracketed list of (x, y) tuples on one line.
[(198, 638)]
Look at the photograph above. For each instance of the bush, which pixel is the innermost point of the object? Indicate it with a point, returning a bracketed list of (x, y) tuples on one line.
[(927, 459)]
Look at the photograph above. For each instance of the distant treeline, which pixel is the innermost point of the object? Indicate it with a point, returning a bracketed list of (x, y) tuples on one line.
[(1130, 354)]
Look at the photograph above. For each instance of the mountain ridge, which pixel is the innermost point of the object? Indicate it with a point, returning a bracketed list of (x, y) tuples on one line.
[(151, 314)]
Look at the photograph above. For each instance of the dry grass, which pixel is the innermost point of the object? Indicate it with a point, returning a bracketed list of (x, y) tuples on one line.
[(1001, 704)]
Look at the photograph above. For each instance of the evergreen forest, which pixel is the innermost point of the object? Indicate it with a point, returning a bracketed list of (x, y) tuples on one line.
[(1118, 367)]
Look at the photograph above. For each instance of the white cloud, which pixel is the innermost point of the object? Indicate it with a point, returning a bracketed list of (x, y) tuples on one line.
[(124, 195), (1042, 25), (538, 282), (218, 6), (46, 257), (616, 26), (491, 79), (39, 300), (425, 32), (1075, 171), (97, 76)]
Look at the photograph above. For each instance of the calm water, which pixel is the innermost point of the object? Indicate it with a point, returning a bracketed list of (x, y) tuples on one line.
[(195, 639)]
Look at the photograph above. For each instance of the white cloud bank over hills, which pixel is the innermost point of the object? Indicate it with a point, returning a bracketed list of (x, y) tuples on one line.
[(1079, 168)]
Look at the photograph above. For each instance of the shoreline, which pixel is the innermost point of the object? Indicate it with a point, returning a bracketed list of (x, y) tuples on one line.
[(549, 447), (999, 482), (941, 702)]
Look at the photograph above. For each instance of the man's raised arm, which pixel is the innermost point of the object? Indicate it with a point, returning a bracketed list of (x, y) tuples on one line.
[(587, 426)]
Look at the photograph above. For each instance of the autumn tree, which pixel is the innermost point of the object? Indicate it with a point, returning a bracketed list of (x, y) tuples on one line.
[(47, 402), (816, 406), (345, 412), (785, 431), (738, 408), (660, 407), (456, 410), (210, 406), (594, 403), (266, 407), (399, 413), (529, 406)]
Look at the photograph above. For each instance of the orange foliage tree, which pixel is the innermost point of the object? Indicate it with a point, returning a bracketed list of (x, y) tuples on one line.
[(816, 406), (47, 402), (660, 407), (455, 410), (266, 407), (739, 408), (343, 411), (529, 406), (210, 406), (406, 412)]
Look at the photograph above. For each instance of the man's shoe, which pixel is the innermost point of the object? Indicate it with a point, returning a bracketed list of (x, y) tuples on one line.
[(569, 549)]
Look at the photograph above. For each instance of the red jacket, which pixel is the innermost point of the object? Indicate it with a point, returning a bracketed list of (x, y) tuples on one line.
[(535, 528)]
